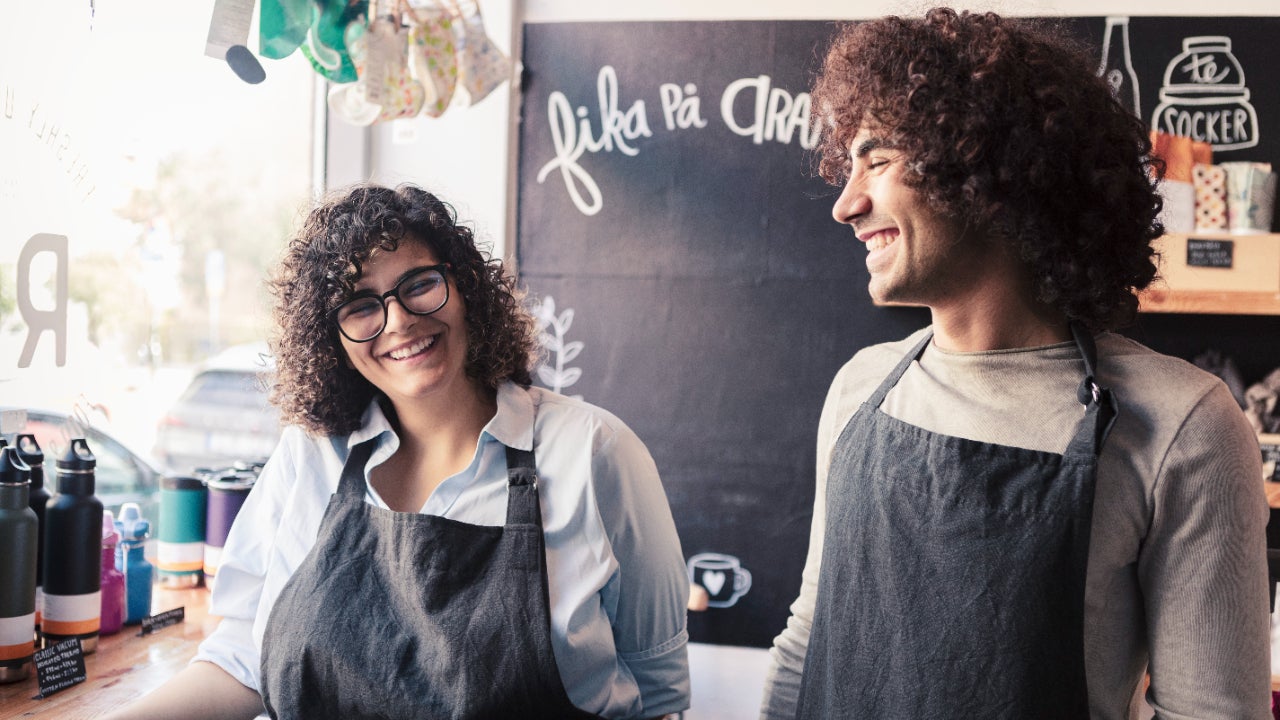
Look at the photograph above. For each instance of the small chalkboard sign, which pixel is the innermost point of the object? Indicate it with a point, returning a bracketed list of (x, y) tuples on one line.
[(59, 667), (1209, 253), (1270, 446), (151, 623)]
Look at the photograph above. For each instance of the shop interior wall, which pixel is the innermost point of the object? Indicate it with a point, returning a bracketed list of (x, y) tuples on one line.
[(468, 155)]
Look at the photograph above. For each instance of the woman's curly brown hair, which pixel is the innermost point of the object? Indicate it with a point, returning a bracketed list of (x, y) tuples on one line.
[(314, 386), (1008, 129)]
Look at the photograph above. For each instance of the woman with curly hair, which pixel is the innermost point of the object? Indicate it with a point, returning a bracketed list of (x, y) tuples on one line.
[(434, 537), (1018, 512)]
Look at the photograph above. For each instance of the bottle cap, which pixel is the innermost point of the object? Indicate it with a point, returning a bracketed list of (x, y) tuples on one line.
[(78, 457), (12, 470), (131, 525), (109, 536), (30, 452), (181, 482)]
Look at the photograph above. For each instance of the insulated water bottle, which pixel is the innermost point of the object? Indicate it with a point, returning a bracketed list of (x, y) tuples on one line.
[(181, 542), (73, 553), (111, 579), (18, 539), (131, 559), (30, 452), (226, 494)]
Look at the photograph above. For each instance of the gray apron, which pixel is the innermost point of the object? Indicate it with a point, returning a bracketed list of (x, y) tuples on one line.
[(953, 571), (405, 615)]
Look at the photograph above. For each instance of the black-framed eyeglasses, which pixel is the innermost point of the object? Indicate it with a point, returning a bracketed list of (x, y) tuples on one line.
[(363, 316)]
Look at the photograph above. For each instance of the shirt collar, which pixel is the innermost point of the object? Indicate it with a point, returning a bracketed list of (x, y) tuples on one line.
[(373, 423), (512, 425)]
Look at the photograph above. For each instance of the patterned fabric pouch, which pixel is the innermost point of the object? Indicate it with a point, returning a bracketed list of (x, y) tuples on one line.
[(388, 82), (349, 101), (482, 66), (433, 55)]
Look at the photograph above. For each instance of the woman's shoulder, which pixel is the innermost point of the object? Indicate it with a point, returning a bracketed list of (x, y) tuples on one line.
[(559, 416)]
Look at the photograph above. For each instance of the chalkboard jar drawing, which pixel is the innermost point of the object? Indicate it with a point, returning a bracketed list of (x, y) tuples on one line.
[(1117, 65), (723, 577), (1204, 96)]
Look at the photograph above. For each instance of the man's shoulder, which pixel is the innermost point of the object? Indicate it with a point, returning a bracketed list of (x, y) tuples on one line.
[(1164, 391), (1125, 362), (880, 357)]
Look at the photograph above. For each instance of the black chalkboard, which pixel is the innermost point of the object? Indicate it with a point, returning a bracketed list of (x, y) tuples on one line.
[(701, 290)]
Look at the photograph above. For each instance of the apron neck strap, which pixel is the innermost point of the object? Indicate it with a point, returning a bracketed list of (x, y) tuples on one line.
[(912, 355), (1100, 404), (523, 507), (1089, 391), (352, 479), (522, 481)]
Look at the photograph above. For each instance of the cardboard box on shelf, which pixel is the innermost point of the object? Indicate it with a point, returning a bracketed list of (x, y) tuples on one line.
[(1219, 261)]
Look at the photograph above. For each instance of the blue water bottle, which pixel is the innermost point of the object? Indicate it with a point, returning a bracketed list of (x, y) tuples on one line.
[(131, 560)]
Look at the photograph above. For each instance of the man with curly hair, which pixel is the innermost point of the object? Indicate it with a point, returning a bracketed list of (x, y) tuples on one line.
[(1019, 513)]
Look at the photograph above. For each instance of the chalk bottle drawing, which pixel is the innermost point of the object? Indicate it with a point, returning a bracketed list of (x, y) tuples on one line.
[(1204, 96), (1117, 65)]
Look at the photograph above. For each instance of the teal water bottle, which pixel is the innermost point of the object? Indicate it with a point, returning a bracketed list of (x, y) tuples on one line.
[(180, 555), (18, 540)]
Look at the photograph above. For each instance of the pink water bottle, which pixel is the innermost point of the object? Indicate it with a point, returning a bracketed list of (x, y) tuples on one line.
[(112, 579)]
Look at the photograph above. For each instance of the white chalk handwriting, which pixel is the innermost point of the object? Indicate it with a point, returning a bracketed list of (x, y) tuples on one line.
[(750, 107)]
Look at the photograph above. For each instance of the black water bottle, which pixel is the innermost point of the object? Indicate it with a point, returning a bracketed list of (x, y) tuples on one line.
[(31, 454), (18, 540), (73, 553)]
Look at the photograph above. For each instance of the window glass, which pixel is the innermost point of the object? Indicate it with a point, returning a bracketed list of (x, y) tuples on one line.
[(145, 191)]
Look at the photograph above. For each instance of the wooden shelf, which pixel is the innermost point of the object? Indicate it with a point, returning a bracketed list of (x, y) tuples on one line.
[(1208, 302)]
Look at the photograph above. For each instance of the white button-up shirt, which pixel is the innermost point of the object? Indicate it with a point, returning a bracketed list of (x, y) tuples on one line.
[(616, 574)]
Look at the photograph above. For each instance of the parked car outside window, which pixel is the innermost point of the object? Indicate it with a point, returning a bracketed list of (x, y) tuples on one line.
[(223, 416), (121, 475)]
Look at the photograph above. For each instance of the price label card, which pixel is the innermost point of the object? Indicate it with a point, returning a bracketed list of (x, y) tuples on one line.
[(152, 623), (59, 667), (1209, 253)]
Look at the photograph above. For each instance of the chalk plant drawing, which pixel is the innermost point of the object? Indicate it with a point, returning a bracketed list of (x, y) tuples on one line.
[(556, 374)]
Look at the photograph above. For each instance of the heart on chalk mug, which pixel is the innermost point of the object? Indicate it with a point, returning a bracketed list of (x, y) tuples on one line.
[(723, 577)]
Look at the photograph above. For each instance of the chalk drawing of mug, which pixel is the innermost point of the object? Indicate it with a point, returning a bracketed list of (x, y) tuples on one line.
[(723, 577), (1204, 96)]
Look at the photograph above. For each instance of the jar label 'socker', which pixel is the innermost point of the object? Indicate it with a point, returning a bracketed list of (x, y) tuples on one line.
[(1204, 96)]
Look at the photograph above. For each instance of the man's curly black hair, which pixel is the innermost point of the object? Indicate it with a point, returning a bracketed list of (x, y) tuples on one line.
[(314, 386), (1008, 129)]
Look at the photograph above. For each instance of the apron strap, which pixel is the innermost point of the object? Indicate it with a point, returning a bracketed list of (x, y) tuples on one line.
[(892, 379), (522, 488), (352, 480), (1101, 406)]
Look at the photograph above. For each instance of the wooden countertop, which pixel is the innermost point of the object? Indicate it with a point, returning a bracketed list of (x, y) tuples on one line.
[(125, 666)]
